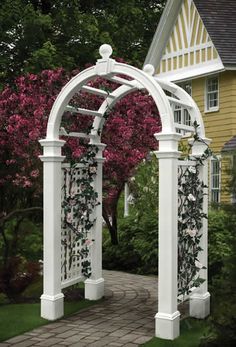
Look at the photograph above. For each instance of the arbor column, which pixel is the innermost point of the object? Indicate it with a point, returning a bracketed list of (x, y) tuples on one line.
[(199, 306), (94, 286), (52, 305), (167, 318)]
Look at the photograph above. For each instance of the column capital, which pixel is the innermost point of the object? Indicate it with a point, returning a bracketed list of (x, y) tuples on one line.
[(52, 143), (168, 143), (52, 150), (167, 154), (101, 146), (168, 136), (54, 158), (198, 147)]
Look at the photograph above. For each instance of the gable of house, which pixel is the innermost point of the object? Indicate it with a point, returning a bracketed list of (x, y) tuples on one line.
[(189, 46)]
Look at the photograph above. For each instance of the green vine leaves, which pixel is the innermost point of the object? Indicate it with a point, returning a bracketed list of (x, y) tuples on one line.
[(190, 218), (78, 204)]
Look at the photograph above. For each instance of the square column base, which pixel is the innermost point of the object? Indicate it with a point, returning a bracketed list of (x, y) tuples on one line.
[(94, 289), (199, 306), (52, 306), (167, 325)]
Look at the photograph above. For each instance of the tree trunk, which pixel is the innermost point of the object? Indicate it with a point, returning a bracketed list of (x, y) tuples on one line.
[(112, 225), (112, 229)]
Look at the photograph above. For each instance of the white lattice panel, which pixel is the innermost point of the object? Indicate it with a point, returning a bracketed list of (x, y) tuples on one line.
[(71, 245), (183, 173)]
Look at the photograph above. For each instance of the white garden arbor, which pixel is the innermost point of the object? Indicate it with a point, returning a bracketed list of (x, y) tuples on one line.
[(52, 306)]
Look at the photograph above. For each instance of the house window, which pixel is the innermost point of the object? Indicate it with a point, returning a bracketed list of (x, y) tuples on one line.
[(182, 115), (212, 94), (215, 179)]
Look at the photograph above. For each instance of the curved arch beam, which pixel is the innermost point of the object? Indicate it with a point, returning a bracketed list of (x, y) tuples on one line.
[(63, 99), (142, 80)]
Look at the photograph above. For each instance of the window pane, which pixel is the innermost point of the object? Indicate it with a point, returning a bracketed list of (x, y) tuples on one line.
[(215, 180), (212, 93), (187, 118), (177, 116)]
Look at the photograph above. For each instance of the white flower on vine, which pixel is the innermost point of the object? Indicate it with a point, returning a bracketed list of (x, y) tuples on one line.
[(145, 189), (92, 169), (73, 191), (130, 199), (132, 179), (153, 179), (191, 233), (69, 217), (84, 214), (192, 169), (88, 242), (198, 264), (191, 197)]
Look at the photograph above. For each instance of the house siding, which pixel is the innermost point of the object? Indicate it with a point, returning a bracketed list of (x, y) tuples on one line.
[(220, 126)]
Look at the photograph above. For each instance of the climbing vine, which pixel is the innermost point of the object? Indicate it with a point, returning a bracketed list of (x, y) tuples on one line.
[(79, 201), (190, 218)]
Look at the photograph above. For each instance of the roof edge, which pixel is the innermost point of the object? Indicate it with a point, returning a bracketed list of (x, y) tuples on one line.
[(163, 32), (194, 72)]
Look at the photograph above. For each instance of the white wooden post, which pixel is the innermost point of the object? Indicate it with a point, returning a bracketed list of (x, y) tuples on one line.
[(167, 318), (126, 203), (94, 286), (199, 306), (52, 305)]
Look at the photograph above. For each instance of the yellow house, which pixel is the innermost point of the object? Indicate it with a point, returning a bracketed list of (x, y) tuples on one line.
[(195, 47)]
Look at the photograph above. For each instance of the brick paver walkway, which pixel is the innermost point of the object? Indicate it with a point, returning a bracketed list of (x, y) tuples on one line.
[(124, 318)]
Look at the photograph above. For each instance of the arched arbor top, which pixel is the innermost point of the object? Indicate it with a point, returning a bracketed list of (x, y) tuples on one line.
[(166, 96)]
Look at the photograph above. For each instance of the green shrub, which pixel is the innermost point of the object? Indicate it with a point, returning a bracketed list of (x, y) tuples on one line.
[(220, 236), (20, 251), (222, 226), (137, 248)]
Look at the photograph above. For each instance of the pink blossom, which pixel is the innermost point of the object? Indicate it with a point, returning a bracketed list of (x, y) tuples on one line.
[(34, 173), (69, 217), (191, 232), (88, 242)]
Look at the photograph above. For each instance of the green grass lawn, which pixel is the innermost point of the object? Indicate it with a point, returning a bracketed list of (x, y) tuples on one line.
[(191, 330), (16, 319)]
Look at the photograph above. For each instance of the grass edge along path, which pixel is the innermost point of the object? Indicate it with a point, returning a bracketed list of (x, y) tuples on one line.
[(17, 319), (191, 331)]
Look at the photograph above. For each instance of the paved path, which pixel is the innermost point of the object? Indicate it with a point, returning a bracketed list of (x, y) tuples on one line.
[(124, 318)]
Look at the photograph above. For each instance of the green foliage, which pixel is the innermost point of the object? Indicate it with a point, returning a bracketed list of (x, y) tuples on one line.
[(36, 35), (137, 249), (222, 255), (220, 237), (144, 188), (20, 251), (138, 245)]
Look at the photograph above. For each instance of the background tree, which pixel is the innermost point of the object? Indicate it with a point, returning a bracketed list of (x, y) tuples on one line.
[(45, 34)]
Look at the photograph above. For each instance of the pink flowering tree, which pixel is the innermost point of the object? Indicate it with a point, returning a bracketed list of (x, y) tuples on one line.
[(24, 111)]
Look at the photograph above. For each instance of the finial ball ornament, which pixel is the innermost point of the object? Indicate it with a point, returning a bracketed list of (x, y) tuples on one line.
[(149, 69), (105, 51)]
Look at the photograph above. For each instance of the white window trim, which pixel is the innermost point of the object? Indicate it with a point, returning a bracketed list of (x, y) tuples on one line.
[(182, 109), (216, 108), (210, 180)]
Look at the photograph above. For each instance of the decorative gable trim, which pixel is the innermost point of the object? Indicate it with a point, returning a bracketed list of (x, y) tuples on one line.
[(188, 50), (163, 32)]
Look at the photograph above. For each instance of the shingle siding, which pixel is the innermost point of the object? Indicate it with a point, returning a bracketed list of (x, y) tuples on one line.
[(219, 18)]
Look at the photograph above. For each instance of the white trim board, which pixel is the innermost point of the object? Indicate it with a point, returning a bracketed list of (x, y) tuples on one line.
[(192, 72)]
